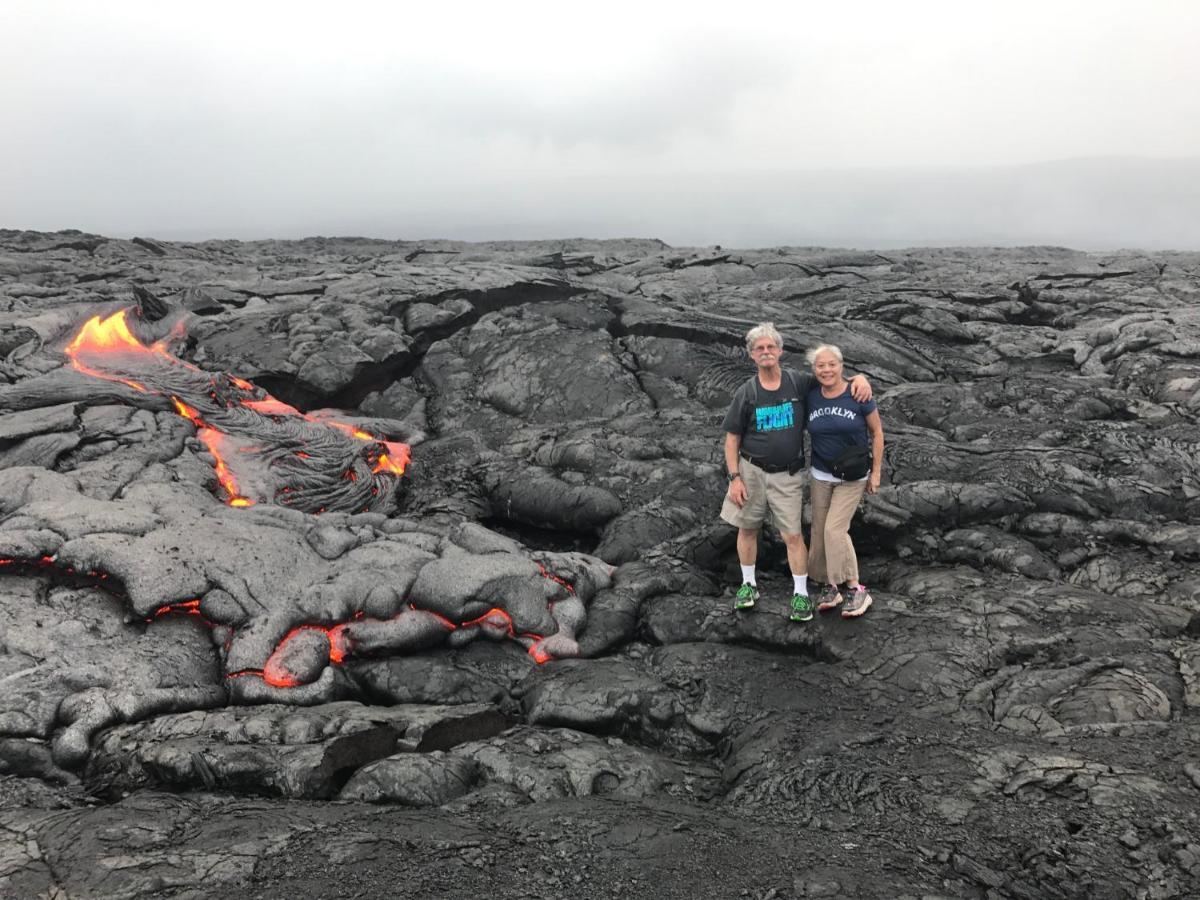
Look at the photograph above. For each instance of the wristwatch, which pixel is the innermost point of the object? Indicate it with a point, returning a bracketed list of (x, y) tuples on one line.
[(733, 475)]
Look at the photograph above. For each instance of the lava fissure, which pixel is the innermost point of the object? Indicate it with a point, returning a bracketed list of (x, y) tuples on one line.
[(372, 377), (562, 582), (535, 537), (183, 607), (693, 334)]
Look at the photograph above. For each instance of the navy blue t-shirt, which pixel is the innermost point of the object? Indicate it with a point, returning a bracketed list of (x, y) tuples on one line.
[(835, 424)]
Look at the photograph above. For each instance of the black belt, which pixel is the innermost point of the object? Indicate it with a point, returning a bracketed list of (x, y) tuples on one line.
[(772, 470)]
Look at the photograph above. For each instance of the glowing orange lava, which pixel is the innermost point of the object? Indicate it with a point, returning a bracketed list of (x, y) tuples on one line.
[(385, 463), (494, 618), (187, 412), (107, 335), (106, 348), (213, 439), (340, 646), (547, 574), (111, 336), (393, 460), (450, 626), (275, 675), (497, 619), (186, 607), (270, 406)]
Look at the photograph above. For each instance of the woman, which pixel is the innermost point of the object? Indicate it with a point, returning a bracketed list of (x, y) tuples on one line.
[(840, 428)]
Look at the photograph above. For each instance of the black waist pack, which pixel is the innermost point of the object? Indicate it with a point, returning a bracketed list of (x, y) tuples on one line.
[(851, 464)]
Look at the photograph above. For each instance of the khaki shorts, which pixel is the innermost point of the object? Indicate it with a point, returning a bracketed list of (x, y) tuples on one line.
[(779, 492)]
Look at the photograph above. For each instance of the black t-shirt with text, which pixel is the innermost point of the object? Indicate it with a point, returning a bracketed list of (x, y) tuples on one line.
[(771, 423)]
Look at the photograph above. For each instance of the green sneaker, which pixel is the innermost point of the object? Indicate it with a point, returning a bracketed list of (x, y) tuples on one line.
[(802, 608), (746, 596)]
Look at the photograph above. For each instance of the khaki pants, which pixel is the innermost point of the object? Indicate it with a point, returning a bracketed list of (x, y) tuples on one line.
[(831, 557)]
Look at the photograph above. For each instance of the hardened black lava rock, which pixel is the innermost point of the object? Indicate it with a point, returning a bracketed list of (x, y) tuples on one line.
[(509, 664)]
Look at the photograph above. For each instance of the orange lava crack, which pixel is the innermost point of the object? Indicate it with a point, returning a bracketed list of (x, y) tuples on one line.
[(339, 648), (185, 607), (213, 439), (559, 581)]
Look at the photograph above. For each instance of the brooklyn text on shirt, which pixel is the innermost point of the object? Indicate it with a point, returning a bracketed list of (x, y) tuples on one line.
[(832, 411)]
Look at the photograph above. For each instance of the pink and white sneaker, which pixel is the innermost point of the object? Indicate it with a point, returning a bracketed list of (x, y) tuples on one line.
[(857, 603)]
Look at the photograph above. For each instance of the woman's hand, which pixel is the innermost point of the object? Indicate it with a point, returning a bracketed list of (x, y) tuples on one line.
[(875, 428)]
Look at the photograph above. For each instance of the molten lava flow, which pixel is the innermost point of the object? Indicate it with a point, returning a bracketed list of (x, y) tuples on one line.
[(212, 439), (494, 618), (105, 336), (497, 620), (385, 463), (216, 404), (111, 335), (188, 412), (276, 673), (559, 581), (392, 460), (186, 607), (107, 339), (339, 647), (268, 407)]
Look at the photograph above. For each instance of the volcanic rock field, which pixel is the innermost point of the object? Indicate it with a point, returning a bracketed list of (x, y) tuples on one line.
[(344, 567)]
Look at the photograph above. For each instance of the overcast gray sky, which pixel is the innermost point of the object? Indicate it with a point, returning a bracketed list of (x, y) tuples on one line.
[(876, 123)]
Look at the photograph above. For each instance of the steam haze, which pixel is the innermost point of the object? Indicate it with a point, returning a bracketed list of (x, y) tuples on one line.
[(872, 124)]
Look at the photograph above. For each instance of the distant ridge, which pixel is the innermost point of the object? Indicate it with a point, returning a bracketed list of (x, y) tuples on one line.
[(1101, 203)]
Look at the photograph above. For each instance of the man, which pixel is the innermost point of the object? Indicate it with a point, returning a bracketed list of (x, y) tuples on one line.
[(764, 453)]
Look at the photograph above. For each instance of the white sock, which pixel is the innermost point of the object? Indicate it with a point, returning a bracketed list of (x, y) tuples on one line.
[(748, 575), (801, 583)]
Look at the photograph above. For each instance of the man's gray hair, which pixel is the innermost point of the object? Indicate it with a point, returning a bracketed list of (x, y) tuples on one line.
[(763, 330), (812, 354)]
